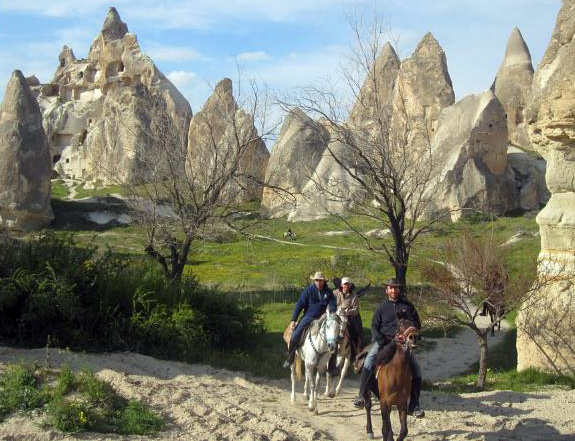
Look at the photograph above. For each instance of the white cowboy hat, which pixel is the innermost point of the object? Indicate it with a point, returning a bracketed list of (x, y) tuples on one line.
[(318, 276), (345, 280)]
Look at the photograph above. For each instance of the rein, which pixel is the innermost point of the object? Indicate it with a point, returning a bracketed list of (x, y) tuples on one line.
[(322, 332)]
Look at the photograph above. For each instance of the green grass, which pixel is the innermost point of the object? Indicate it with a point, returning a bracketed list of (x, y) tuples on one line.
[(82, 192), (233, 263), (73, 402), (59, 189)]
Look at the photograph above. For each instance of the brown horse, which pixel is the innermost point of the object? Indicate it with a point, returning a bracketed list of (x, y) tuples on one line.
[(393, 385)]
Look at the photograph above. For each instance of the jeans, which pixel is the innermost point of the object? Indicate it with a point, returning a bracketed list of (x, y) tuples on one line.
[(369, 362)]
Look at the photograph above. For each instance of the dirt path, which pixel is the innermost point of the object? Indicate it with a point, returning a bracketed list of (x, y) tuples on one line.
[(203, 403), (453, 356)]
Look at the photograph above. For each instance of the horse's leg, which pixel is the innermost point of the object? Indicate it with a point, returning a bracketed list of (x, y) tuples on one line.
[(344, 369), (309, 373), (403, 421), (328, 382), (492, 317), (306, 387), (368, 426), (386, 432), (293, 381)]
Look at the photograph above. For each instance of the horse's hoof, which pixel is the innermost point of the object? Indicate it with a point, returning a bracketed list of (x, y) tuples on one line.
[(370, 435), (331, 394), (315, 412)]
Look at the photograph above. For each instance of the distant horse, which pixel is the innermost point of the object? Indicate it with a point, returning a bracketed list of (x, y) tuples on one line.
[(319, 342), (393, 383), (496, 311), (289, 234)]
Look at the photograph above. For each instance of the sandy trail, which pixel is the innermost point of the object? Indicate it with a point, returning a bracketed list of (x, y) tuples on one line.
[(203, 403), (452, 356)]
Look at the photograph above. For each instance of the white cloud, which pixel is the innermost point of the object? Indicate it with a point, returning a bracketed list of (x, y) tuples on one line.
[(253, 56), (162, 52), (182, 79), (198, 14)]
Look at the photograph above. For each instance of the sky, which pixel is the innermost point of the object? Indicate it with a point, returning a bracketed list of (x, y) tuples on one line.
[(282, 43)]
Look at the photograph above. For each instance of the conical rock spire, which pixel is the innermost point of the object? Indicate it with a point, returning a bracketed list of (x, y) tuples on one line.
[(25, 160)]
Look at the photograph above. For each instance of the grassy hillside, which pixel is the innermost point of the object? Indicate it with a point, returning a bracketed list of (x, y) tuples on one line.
[(233, 262)]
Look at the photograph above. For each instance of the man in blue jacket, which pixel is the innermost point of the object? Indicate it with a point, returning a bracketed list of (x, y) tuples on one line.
[(314, 300)]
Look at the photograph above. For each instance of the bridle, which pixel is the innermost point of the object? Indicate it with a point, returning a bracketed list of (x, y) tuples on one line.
[(403, 337), (323, 333)]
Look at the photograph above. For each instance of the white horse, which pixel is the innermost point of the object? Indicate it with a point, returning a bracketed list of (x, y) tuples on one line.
[(342, 362), (319, 342)]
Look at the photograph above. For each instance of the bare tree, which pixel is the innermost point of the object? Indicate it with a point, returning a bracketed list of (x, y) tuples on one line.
[(468, 273), (185, 193), (379, 153)]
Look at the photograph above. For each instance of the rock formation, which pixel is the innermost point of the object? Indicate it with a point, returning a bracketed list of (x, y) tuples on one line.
[(469, 168), (330, 190), (511, 86), (529, 172), (293, 160), (221, 134), (24, 160), (107, 115), (377, 89), (546, 328), (422, 90)]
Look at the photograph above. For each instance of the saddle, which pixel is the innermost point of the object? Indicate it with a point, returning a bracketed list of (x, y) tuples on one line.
[(313, 325)]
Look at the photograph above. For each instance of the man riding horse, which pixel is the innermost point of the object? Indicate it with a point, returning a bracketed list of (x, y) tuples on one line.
[(383, 330), (314, 301)]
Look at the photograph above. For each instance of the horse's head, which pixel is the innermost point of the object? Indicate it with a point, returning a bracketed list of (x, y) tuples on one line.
[(407, 331), (335, 326)]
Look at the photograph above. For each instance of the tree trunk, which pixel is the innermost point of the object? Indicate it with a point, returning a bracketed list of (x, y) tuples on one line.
[(483, 352)]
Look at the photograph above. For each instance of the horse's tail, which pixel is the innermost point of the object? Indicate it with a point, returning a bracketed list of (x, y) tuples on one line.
[(298, 368)]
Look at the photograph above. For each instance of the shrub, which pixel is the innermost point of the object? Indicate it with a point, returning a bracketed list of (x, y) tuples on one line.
[(52, 290), (75, 402), (138, 419), (19, 390)]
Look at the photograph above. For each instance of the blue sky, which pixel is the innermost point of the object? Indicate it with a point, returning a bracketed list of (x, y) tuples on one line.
[(284, 43)]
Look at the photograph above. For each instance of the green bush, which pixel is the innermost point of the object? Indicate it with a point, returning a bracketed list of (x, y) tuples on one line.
[(52, 290), (73, 402), (70, 416), (19, 390), (138, 419)]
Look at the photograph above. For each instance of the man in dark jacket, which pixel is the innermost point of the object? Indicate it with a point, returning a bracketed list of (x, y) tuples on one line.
[(314, 300), (383, 330)]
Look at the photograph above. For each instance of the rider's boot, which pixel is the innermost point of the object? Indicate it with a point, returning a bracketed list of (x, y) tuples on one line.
[(413, 408), (291, 356), (363, 388)]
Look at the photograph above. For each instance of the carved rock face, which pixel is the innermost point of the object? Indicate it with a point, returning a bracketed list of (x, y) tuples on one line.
[(545, 331), (97, 111), (24, 160)]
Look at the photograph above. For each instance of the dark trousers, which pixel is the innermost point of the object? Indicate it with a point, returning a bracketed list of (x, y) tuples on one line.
[(355, 328), (299, 330)]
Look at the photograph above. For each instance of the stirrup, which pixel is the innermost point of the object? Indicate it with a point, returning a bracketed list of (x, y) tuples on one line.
[(359, 403), (416, 412)]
